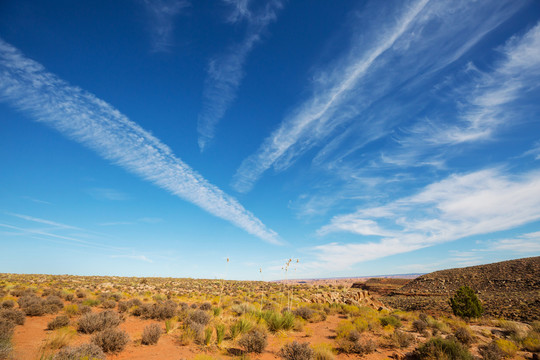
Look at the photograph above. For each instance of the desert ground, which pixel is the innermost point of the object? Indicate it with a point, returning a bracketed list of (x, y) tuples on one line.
[(75, 317)]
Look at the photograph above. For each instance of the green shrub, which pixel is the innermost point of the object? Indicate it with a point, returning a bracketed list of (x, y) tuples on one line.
[(111, 340), (390, 320), (296, 351), (509, 348), (255, 341), (438, 348), (466, 304), (220, 333), (276, 321), (151, 334)]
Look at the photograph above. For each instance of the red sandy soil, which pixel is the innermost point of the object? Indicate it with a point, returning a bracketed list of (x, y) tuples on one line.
[(29, 338)]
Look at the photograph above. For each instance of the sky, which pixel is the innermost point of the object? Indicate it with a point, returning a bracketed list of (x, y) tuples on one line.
[(218, 139)]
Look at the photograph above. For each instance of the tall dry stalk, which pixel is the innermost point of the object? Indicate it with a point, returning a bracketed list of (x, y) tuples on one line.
[(222, 282)]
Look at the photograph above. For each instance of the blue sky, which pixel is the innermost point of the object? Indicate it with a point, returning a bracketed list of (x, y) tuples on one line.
[(159, 138)]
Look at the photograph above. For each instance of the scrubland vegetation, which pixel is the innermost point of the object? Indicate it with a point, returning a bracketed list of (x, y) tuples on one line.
[(101, 318)]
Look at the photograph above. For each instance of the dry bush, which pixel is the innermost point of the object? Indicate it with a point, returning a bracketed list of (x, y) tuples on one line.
[(111, 340), (401, 339), (255, 341), (58, 322), (296, 351), (6, 329), (134, 302), (80, 294), (151, 334), (420, 326), (491, 352), (16, 316), (85, 309), (355, 344), (85, 351), (464, 336), (200, 317), (205, 306), (109, 304), (92, 322), (438, 348), (123, 306), (160, 310), (32, 305), (8, 304), (304, 312)]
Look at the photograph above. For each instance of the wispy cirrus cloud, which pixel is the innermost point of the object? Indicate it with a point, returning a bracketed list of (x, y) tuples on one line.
[(132, 257), (81, 116), (459, 206), (225, 72), (162, 14), (379, 83)]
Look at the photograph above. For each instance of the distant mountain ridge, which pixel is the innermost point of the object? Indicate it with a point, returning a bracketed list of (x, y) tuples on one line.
[(509, 289)]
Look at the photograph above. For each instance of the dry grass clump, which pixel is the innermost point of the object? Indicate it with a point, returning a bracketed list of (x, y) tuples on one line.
[(296, 351), (464, 336), (85, 351), (323, 352), (59, 339), (6, 333), (151, 334), (16, 316), (111, 340), (92, 322), (58, 322), (254, 341)]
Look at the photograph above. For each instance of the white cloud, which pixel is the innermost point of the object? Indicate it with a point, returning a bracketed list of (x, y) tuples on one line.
[(526, 243), (393, 53), (108, 194), (162, 14), (481, 202), (132, 257), (225, 72), (81, 116)]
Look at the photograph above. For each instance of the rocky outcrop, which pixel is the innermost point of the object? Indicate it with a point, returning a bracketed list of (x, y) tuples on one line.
[(508, 289), (350, 297)]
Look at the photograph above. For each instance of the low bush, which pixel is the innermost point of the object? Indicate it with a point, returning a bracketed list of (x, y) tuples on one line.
[(390, 320), (111, 340), (151, 334), (508, 347), (85, 351), (32, 305), (532, 342), (92, 322), (108, 304), (401, 339), (160, 310), (438, 348), (58, 322), (420, 326), (8, 304), (464, 336), (16, 316), (6, 330), (353, 343), (304, 312), (205, 306), (72, 310), (200, 317), (296, 351), (491, 352), (254, 341)]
